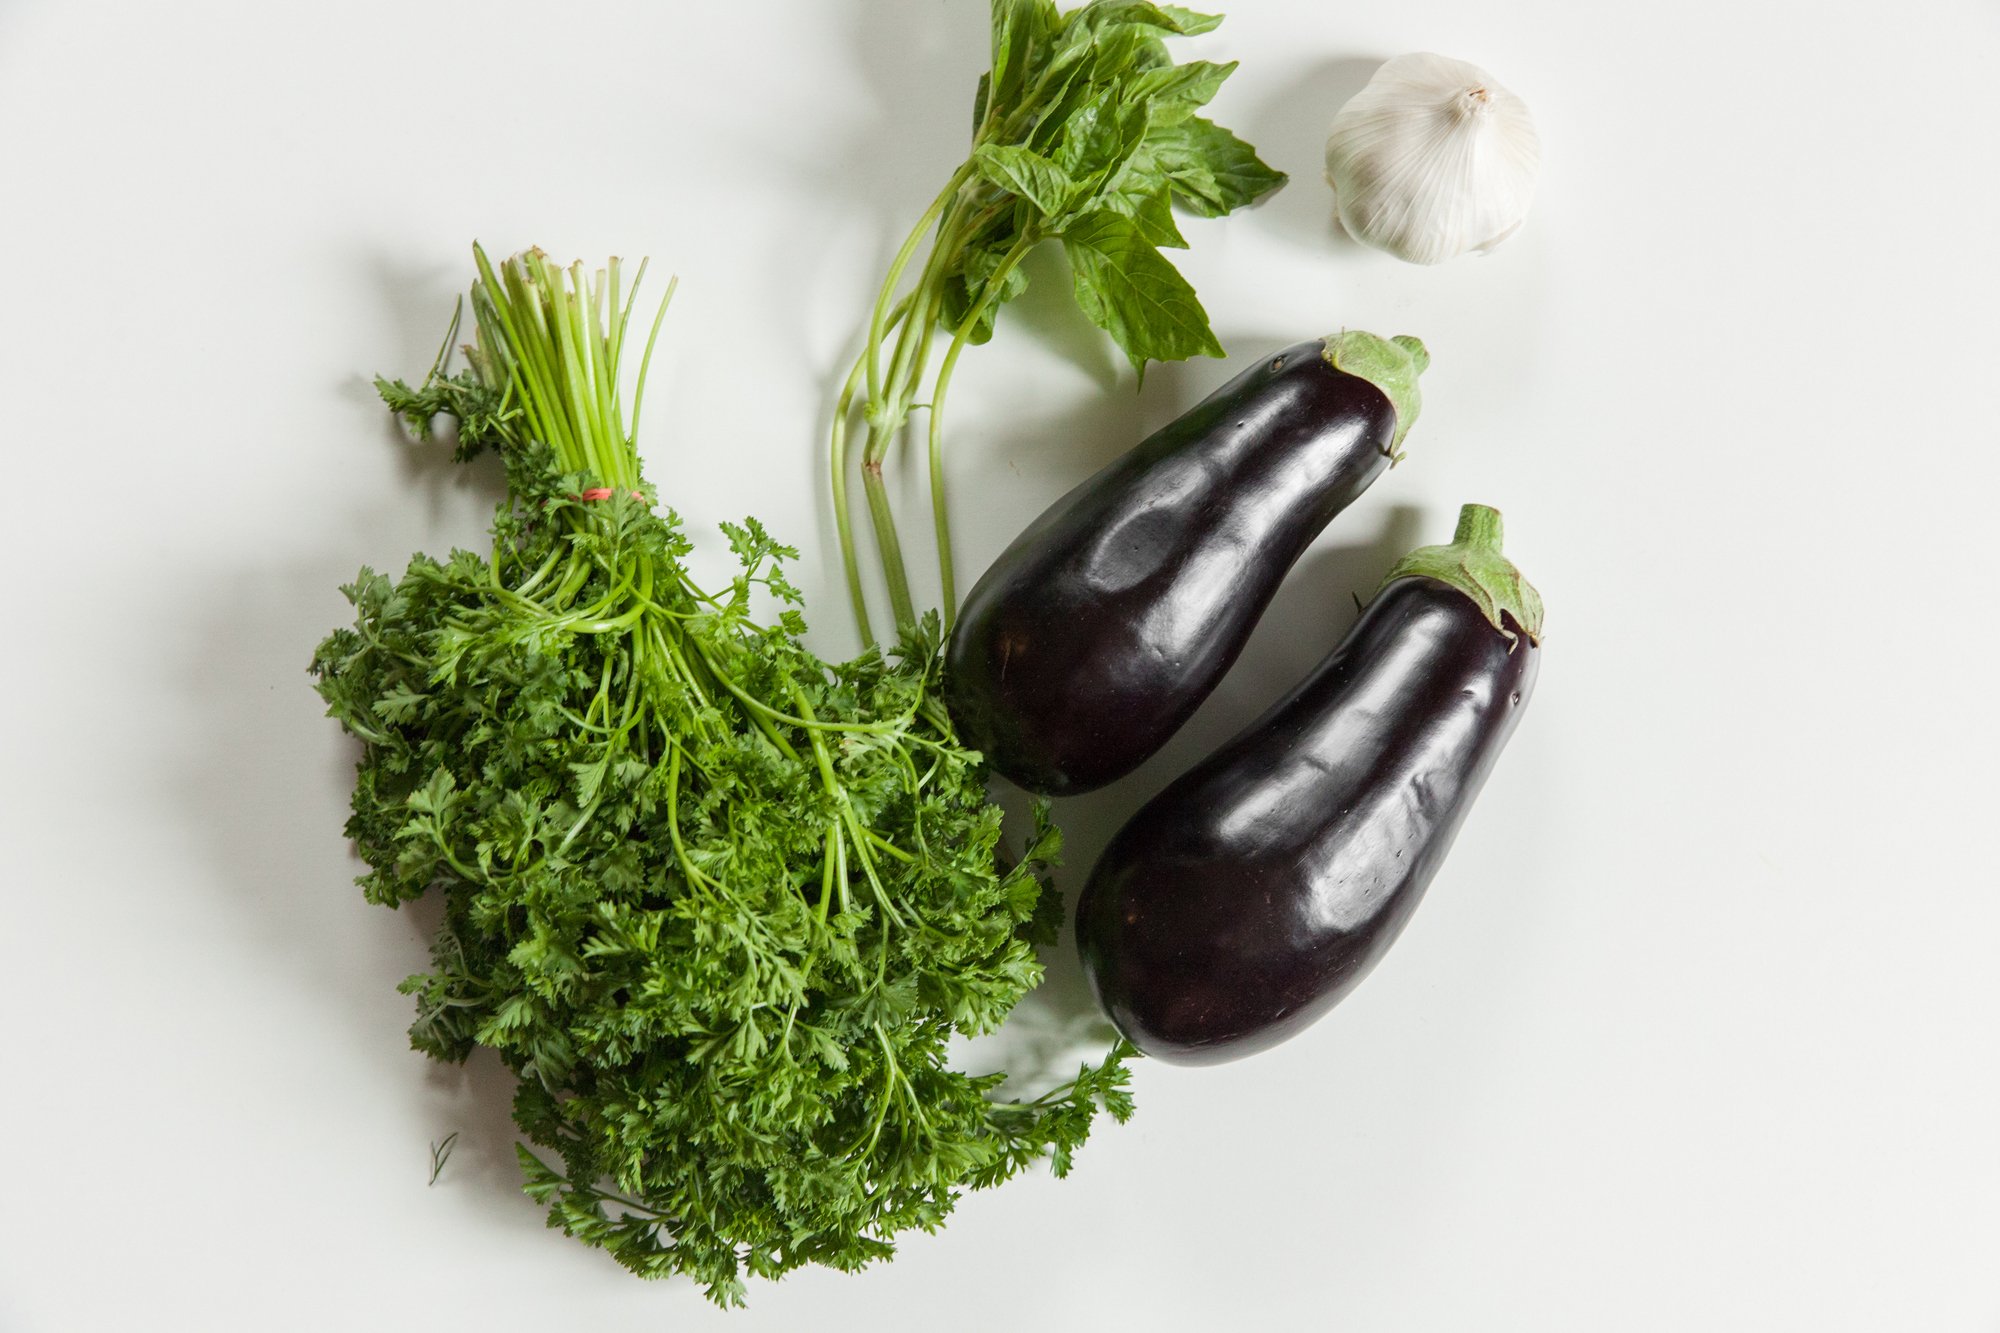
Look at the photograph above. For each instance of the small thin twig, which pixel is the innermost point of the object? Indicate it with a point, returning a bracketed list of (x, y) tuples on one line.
[(440, 1154)]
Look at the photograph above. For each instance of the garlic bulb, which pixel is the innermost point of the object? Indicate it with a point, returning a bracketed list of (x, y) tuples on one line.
[(1431, 159)]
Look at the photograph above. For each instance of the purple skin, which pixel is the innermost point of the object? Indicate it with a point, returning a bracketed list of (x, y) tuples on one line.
[(1100, 630), (1253, 894)]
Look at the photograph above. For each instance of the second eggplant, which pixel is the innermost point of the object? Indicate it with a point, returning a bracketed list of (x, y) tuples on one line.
[(1100, 630), (1249, 897)]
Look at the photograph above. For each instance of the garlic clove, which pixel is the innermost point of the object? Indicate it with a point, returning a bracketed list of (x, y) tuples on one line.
[(1432, 159)]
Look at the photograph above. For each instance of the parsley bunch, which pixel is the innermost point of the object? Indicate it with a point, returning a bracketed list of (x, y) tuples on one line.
[(719, 904), (1085, 132)]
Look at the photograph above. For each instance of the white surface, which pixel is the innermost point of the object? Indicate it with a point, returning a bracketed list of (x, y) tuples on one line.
[(1697, 1029)]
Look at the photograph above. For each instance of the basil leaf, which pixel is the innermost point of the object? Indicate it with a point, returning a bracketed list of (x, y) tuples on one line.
[(1212, 171), (970, 281), (1187, 22), (1175, 92), (1099, 138), (1149, 52), (1024, 172), (1021, 29), (1116, 53), (1105, 14), (1126, 288), (1151, 212), (1092, 68)]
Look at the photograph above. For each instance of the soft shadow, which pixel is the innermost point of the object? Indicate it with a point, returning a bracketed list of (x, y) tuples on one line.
[(247, 674), (1289, 129), (426, 473), (920, 63), (416, 299), (475, 1100), (264, 793), (419, 300), (1033, 453), (263, 782), (1047, 310)]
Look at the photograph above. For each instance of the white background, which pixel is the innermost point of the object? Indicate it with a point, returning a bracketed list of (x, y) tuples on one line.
[(1697, 1029)]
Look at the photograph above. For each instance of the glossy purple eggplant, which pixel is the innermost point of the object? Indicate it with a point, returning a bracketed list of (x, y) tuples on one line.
[(1098, 632), (1249, 897)]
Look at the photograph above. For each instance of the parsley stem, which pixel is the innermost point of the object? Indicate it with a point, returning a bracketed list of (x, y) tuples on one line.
[(826, 870), (451, 858), (527, 585), (646, 357), (619, 622), (607, 1196), (859, 832), (882, 844), (687, 867), (565, 314), (756, 705), (589, 372), (526, 353), (840, 867), (763, 717), (856, 831)]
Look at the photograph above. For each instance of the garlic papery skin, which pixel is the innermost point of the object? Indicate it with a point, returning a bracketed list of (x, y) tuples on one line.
[(1432, 159)]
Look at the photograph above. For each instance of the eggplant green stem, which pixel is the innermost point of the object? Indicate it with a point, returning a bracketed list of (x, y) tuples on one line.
[(1392, 365), (1479, 529), (1472, 564)]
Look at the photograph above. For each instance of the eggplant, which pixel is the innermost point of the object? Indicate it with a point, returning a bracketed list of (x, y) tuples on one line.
[(1256, 891), (1100, 630)]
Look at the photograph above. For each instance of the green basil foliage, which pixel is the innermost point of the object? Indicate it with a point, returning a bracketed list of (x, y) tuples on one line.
[(719, 904), (1085, 132)]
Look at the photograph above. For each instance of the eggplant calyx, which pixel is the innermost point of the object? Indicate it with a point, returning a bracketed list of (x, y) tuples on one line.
[(1391, 365), (1473, 565)]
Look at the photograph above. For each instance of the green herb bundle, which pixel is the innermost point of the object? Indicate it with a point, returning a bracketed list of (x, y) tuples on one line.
[(1085, 132), (718, 903)]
